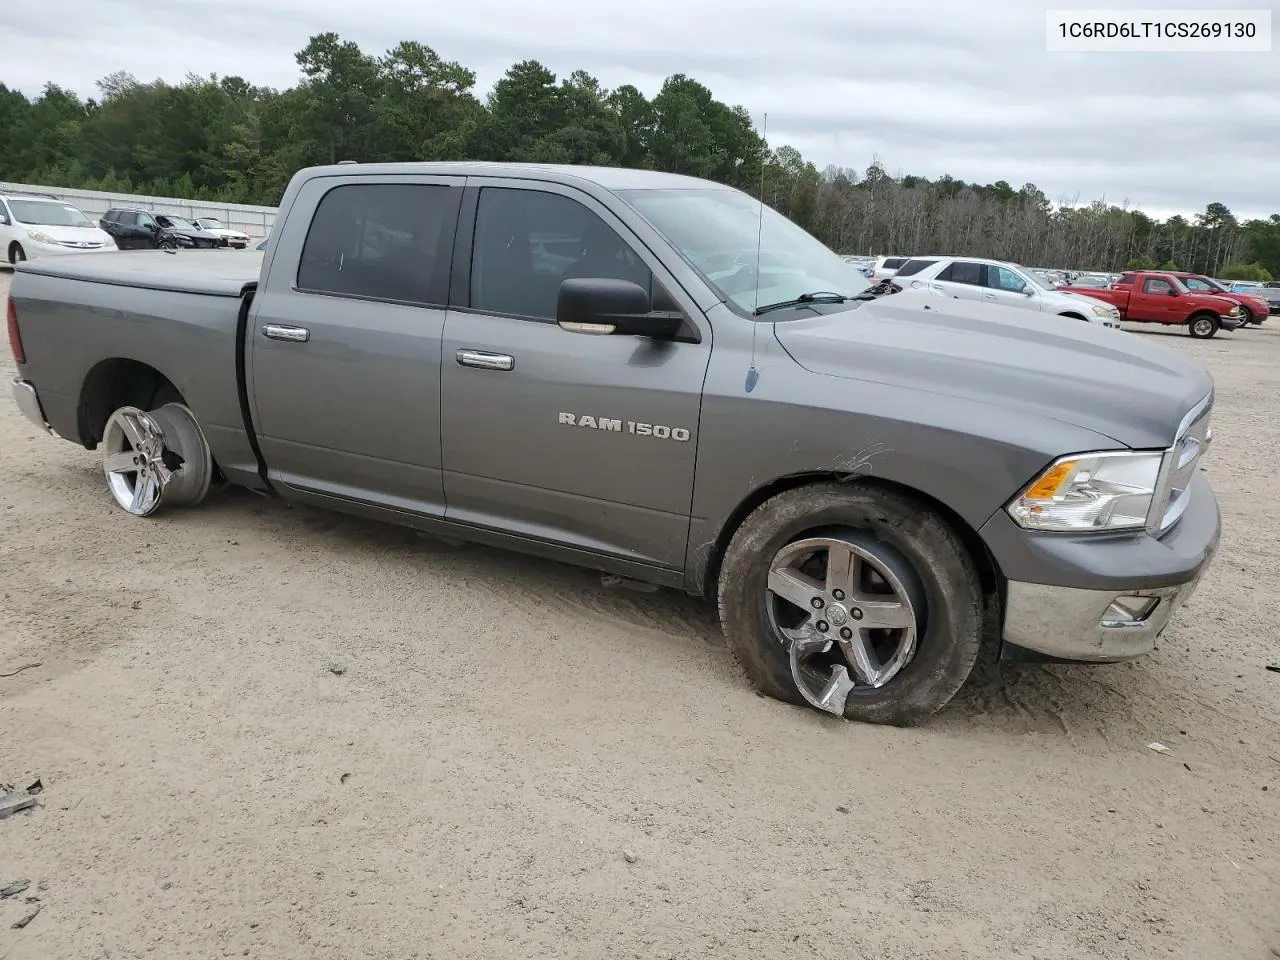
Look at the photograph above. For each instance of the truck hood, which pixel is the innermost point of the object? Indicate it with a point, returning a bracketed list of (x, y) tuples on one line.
[(1114, 383)]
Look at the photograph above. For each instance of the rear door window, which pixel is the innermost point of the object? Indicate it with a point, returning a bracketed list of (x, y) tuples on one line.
[(964, 271), (912, 267), (381, 241)]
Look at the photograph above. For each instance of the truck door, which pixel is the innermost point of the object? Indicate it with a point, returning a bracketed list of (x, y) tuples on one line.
[(343, 348), (584, 441), (1156, 301)]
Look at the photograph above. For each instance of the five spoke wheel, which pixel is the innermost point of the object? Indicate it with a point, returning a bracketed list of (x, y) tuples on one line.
[(847, 608)]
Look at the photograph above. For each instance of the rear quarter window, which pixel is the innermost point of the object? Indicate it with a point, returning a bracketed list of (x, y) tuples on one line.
[(893, 263)]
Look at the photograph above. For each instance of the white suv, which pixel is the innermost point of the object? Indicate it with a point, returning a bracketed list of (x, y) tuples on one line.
[(997, 281), (886, 267), (32, 226)]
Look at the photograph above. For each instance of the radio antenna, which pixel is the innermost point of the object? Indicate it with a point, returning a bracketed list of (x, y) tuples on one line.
[(752, 373)]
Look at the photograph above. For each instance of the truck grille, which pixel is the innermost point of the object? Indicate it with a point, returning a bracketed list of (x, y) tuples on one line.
[(1180, 464)]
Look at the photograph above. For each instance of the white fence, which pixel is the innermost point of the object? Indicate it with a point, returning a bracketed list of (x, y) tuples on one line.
[(255, 221)]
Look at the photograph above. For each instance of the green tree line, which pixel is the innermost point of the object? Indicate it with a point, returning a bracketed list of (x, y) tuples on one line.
[(224, 139)]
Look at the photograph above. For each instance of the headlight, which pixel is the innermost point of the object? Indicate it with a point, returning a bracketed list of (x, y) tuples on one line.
[(1109, 312), (39, 237), (1090, 492)]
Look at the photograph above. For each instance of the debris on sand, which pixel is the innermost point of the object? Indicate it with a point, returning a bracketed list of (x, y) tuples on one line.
[(11, 800)]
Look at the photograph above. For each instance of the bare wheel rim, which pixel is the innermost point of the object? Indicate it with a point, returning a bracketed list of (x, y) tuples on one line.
[(133, 461), (1203, 327), (848, 608), (154, 459)]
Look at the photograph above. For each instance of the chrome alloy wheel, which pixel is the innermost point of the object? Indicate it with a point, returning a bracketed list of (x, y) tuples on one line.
[(848, 607), (155, 458)]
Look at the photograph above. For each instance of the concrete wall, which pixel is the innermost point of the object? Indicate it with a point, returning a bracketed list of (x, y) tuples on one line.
[(255, 221)]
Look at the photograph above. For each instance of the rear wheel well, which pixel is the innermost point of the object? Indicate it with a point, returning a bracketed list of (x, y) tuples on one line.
[(117, 383), (988, 570)]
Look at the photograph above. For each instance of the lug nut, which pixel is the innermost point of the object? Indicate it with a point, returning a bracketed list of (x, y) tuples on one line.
[(838, 594), (855, 613), (823, 626), (816, 603), (846, 633)]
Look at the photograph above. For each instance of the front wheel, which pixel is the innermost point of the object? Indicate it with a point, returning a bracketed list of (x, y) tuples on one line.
[(1246, 317), (856, 601), (1204, 326), (16, 253)]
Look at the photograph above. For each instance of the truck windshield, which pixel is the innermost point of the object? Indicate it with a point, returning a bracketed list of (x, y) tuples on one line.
[(43, 214), (718, 232)]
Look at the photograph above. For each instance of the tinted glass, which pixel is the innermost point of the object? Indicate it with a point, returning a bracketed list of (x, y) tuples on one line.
[(1156, 285), (528, 242), (385, 241), (912, 267), (963, 272), (1195, 283), (1127, 279), (893, 263)]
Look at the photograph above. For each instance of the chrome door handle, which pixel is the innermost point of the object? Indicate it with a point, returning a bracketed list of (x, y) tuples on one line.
[(989, 296), (278, 331), (485, 361)]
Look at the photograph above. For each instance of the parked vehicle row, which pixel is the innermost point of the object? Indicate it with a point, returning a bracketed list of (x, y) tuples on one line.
[(564, 361)]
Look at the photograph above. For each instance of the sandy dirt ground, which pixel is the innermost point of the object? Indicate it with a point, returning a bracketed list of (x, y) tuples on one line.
[(272, 732)]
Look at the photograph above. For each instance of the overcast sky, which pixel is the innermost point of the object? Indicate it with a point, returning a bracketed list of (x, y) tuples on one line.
[(931, 86)]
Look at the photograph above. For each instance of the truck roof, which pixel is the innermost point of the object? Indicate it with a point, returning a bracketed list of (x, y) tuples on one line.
[(609, 178)]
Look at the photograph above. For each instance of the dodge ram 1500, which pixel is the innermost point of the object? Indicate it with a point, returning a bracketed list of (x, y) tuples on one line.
[(660, 377)]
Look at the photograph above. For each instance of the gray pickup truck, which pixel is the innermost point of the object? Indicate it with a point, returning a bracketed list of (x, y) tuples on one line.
[(658, 377)]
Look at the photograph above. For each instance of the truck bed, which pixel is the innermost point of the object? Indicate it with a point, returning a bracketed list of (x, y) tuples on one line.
[(214, 273), (88, 323)]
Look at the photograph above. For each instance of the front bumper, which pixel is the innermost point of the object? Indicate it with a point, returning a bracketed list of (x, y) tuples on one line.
[(38, 251), (1089, 599), (28, 401)]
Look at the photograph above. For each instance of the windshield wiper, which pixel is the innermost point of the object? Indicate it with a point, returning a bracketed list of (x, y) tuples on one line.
[(820, 296)]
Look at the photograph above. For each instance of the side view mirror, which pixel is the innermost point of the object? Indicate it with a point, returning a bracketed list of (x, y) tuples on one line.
[(1172, 292), (4, 219), (604, 306), (1028, 291)]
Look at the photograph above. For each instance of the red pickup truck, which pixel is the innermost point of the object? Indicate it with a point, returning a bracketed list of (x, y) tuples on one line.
[(1161, 297), (1253, 309)]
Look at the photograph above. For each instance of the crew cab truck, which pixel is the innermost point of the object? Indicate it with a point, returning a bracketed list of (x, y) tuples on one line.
[(659, 377), (1151, 297)]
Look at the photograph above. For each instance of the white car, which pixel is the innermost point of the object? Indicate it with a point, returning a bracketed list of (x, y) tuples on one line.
[(227, 236), (34, 226), (1001, 282), (886, 267)]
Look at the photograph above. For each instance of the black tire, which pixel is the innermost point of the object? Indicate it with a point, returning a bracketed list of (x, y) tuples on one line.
[(948, 643), (1246, 317), (16, 253), (1202, 326)]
